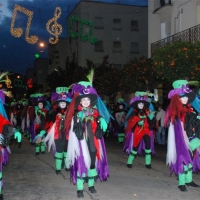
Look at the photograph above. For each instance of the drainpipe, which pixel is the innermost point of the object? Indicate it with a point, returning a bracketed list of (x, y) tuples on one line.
[(181, 11), (177, 17)]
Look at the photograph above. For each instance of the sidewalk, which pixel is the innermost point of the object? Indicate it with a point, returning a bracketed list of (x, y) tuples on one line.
[(30, 177)]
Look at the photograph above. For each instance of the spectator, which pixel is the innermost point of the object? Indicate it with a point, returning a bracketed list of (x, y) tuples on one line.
[(160, 133)]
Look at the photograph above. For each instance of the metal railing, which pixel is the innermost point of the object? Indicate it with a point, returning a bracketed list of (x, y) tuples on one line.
[(190, 35)]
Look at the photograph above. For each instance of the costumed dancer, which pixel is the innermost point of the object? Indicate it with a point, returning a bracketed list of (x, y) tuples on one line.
[(39, 123), (7, 130), (183, 133), (57, 137), (24, 115), (120, 116), (12, 113), (152, 126), (29, 132), (87, 117), (196, 153), (137, 129)]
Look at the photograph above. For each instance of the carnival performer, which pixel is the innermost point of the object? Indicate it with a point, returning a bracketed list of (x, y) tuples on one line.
[(196, 153), (39, 123), (24, 115), (7, 131), (87, 119), (183, 133), (152, 127), (57, 137), (137, 129), (29, 128), (120, 116), (12, 113)]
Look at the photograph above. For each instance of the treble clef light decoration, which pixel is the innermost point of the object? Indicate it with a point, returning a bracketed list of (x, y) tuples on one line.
[(56, 29)]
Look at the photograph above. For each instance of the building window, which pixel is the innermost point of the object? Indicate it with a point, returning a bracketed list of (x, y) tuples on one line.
[(98, 47), (117, 24), (74, 55), (117, 47), (135, 47), (134, 25), (98, 23)]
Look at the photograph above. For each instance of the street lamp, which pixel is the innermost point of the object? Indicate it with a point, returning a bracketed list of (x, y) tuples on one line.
[(42, 46)]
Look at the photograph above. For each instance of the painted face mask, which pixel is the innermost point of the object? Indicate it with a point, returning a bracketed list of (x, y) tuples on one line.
[(85, 102), (140, 105)]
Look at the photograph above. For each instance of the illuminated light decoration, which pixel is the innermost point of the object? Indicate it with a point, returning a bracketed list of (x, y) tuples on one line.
[(37, 55), (17, 32), (53, 27), (88, 37), (1, 85), (29, 83), (8, 82), (18, 83)]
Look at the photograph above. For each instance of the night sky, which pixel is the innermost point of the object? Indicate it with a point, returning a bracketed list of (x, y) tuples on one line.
[(16, 54)]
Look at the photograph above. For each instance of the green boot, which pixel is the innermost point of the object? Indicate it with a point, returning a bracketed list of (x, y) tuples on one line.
[(148, 158), (80, 185), (181, 181), (188, 177), (92, 173), (59, 158), (64, 161), (131, 157), (121, 137), (42, 147), (37, 149)]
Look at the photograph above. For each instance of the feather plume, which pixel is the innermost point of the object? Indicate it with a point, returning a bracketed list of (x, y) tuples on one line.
[(90, 76), (2, 75), (194, 83)]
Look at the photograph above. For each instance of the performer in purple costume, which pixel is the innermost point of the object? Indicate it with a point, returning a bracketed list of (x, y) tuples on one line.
[(87, 119), (183, 135)]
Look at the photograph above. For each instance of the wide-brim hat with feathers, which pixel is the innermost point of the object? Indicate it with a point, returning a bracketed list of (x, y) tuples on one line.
[(63, 94), (38, 98), (85, 89), (181, 87), (140, 97)]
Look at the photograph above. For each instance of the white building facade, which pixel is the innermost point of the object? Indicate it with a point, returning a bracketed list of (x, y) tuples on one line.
[(169, 17), (97, 29)]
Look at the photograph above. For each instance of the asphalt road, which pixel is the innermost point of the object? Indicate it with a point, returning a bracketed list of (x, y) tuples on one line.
[(30, 177)]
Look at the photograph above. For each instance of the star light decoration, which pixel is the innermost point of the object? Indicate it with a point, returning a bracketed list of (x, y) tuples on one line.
[(17, 32), (82, 23)]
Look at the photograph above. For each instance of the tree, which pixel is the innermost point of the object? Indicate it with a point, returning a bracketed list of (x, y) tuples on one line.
[(138, 75), (180, 60)]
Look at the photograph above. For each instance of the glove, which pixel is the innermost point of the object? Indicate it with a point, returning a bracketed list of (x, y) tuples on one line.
[(151, 115), (1, 139), (80, 115), (141, 122), (18, 136), (103, 124), (40, 111), (42, 133)]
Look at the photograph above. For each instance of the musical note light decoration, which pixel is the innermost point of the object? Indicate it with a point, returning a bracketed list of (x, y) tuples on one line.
[(54, 29), (8, 82), (82, 22), (29, 83), (17, 32)]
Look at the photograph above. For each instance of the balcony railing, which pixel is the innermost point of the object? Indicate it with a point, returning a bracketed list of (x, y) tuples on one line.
[(190, 35)]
